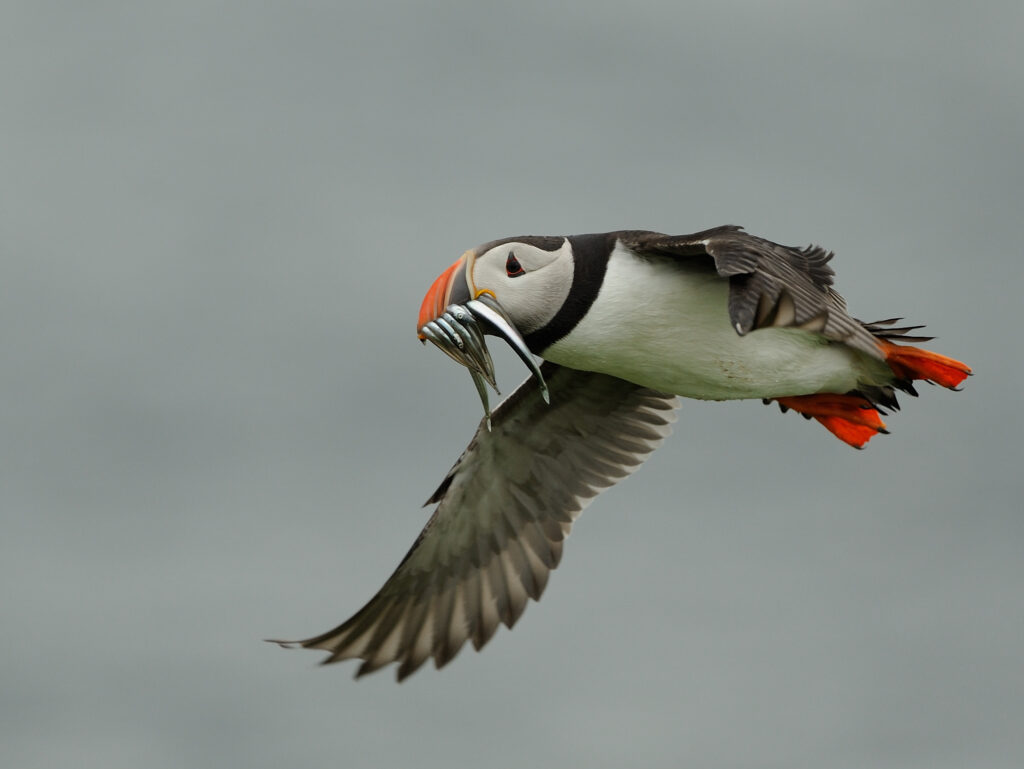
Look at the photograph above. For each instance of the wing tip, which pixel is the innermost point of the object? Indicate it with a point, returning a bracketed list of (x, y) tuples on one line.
[(284, 644)]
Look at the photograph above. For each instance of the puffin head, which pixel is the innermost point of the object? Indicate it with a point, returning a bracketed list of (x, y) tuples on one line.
[(529, 277), (509, 288)]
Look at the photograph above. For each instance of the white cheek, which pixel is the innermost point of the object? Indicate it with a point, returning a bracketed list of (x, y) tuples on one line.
[(487, 277), (537, 297), (533, 299)]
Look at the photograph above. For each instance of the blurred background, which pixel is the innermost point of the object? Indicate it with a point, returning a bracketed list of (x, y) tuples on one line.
[(217, 221)]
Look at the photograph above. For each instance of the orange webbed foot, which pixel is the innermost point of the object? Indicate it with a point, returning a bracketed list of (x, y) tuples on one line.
[(851, 418)]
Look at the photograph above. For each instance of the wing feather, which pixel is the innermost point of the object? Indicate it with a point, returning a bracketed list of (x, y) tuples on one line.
[(503, 512)]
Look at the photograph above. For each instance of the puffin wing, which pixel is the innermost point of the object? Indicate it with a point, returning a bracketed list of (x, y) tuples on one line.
[(503, 511), (769, 284)]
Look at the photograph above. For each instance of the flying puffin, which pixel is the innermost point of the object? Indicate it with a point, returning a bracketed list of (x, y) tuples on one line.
[(625, 322)]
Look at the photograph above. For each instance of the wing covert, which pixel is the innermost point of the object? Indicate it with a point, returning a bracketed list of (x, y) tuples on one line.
[(769, 284)]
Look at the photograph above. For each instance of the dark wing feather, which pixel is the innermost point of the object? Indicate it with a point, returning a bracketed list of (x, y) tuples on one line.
[(769, 284), (504, 510)]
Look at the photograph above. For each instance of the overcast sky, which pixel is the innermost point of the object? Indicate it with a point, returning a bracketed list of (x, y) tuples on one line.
[(217, 221)]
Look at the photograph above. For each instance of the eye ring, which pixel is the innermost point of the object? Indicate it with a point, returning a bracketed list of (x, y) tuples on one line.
[(512, 266)]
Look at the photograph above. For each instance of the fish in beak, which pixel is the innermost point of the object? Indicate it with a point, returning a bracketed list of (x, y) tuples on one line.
[(455, 320)]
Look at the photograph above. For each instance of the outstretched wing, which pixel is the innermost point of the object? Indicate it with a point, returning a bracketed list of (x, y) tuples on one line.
[(504, 510), (769, 284)]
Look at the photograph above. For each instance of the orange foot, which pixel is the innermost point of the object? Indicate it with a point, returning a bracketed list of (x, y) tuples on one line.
[(914, 363), (851, 418)]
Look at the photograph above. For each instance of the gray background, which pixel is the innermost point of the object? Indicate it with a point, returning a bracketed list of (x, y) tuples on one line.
[(217, 222)]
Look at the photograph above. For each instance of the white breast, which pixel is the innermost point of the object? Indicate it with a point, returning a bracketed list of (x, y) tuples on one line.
[(663, 324)]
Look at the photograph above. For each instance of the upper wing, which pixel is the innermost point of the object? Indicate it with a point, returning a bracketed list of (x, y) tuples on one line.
[(505, 508), (769, 284)]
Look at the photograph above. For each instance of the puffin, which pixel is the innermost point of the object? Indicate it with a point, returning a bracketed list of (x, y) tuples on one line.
[(626, 324)]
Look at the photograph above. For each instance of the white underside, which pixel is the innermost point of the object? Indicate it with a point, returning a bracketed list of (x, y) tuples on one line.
[(663, 326)]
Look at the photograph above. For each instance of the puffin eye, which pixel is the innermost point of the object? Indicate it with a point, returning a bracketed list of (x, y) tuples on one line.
[(512, 266)]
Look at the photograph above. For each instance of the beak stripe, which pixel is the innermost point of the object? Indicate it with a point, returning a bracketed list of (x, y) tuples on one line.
[(437, 298)]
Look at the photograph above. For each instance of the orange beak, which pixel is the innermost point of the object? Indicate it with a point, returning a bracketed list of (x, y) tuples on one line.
[(437, 298)]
